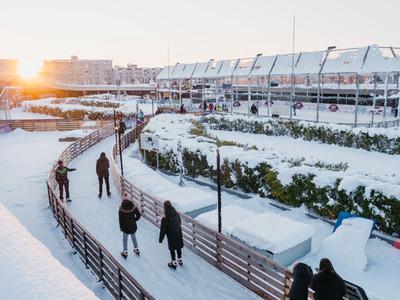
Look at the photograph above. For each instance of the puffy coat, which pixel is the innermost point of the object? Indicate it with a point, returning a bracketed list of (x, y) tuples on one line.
[(302, 274), (171, 227), (328, 285), (128, 216), (102, 166)]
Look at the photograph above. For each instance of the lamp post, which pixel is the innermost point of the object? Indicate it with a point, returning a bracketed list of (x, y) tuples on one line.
[(219, 191), (119, 130)]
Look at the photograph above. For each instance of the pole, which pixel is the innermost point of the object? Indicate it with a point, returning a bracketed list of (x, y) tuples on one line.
[(152, 106), (357, 95), (115, 126), (219, 191), (292, 75), (318, 96), (269, 95), (373, 102), (248, 96), (386, 98), (120, 152)]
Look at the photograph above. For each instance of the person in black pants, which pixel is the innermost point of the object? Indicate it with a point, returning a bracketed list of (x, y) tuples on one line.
[(302, 275), (102, 167), (62, 180), (171, 227)]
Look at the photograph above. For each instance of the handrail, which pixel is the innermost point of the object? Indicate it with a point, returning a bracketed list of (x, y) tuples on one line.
[(115, 278)]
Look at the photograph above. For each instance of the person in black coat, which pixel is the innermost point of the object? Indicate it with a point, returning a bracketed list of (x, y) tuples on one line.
[(327, 284), (128, 216), (302, 274), (102, 166), (171, 227)]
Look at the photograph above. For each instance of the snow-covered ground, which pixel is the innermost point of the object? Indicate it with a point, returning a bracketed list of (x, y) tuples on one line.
[(19, 113), (29, 271), (195, 280), (25, 159)]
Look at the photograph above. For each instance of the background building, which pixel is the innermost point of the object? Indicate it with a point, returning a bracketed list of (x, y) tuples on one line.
[(78, 71), (8, 71), (132, 74)]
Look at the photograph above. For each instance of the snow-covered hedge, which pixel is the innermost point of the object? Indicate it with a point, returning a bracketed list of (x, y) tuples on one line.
[(321, 186), (371, 139)]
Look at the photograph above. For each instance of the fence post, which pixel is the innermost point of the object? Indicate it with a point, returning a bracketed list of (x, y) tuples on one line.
[(219, 248), (73, 233), (119, 284), (141, 199), (287, 285), (85, 249), (101, 263), (64, 223)]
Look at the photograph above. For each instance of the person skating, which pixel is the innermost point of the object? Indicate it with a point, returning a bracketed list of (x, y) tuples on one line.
[(327, 284), (171, 227), (254, 109), (302, 275), (62, 180), (102, 166), (128, 216)]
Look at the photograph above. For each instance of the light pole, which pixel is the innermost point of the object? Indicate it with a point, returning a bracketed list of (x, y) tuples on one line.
[(219, 191), (119, 130)]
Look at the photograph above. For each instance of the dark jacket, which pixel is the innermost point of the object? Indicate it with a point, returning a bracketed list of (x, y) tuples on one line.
[(254, 109), (171, 226), (62, 173), (121, 127), (128, 216), (328, 285), (302, 274), (102, 166)]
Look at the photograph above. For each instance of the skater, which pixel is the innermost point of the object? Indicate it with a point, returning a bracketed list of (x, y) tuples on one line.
[(211, 107), (62, 180), (254, 109), (121, 125), (128, 216), (204, 105), (294, 106), (182, 109), (302, 274), (327, 284), (141, 116), (171, 226), (102, 167)]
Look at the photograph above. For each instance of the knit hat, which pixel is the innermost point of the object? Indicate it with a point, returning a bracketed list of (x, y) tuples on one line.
[(60, 162)]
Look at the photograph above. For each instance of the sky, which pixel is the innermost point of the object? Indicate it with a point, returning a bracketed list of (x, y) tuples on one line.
[(132, 31)]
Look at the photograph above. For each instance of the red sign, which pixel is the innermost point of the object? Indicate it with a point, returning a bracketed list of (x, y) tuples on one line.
[(333, 108)]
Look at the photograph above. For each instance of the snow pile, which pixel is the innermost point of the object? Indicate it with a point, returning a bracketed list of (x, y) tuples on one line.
[(272, 232), (347, 246), (187, 199), (29, 271), (231, 215), (77, 133)]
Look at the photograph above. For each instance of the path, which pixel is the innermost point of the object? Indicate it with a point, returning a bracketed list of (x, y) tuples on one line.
[(195, 280)]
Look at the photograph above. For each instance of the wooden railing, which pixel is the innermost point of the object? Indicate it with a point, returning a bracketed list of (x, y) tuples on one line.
[(53, 124), (253, 270), (114, 277)]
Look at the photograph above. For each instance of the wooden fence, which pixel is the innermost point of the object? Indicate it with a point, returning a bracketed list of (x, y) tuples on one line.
[(115, 278), (53, 124)]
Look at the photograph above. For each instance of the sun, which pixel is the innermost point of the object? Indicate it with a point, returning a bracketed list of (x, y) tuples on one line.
[(28, 69)]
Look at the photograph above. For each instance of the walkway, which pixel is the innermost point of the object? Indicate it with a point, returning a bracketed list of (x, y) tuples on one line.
[(195, 280)]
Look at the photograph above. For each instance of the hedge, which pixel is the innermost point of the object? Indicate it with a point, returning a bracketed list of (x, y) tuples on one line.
[(361, 138), (263, 180)]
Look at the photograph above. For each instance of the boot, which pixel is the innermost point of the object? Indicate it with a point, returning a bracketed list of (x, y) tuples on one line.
[(172, 264), (180, 261), (124, 254), (136, 251)]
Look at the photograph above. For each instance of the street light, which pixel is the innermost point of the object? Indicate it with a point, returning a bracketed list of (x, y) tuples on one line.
[(120, 130), (219, 191)]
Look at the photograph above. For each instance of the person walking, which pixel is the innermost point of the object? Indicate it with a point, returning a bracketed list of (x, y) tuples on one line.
[(302, 275), (171, 227), (62, 180), (327, 284), (102, 166), (205, 106), (128, 216)]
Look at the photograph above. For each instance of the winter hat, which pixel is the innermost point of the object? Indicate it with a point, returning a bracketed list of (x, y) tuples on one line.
[(60, 162), (102, 154), (127, 205)]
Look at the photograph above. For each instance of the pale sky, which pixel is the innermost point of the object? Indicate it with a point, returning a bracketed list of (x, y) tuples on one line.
[(132, 31)]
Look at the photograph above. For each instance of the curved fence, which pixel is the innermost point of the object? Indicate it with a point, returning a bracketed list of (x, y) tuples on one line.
[(95, 257)]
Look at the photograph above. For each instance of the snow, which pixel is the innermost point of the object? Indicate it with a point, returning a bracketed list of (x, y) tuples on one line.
[(19, 113), (28, 270), (77, 133), (187, 199), (272, 232), (25, 159), (232, 215), (346, 246), (196, 279)]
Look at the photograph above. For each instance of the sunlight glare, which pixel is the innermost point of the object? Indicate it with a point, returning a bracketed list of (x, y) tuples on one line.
[(28, 69)]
